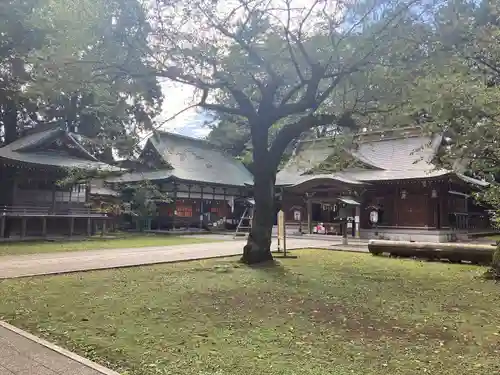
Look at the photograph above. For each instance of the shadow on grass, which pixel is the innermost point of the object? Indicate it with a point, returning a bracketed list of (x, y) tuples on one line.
[(272, 268)]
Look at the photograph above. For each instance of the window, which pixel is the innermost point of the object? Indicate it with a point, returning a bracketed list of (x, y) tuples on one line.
[(184, 211)]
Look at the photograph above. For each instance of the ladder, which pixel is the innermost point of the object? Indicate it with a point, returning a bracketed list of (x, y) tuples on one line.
[(247, 215)]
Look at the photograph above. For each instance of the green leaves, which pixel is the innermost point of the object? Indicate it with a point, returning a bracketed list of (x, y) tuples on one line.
[(75, 72)]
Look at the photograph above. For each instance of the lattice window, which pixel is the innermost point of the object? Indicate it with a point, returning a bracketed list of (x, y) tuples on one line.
[(184, 211)]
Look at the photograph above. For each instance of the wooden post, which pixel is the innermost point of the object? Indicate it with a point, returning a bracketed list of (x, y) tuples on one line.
[(174, 212), (103, 229), (2, 227), (201, 206), (467, 214), (89, 226), (53, 205), (212, 204), (309, 215), (357, 221), (23, 227), (44, 226), (344, 233), (71, 226), (224, 193)]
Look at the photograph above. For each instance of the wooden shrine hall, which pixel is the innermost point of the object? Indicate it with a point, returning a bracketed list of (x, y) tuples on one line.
[(205, 186), (32, 201), (392, 191)]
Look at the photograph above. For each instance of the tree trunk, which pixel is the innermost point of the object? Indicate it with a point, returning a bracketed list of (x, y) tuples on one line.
[(258, 247), (495, 264), (10, 121)]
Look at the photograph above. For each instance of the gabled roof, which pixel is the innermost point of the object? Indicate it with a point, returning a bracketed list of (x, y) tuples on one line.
[(33, 149), (191, 159), (400, 154)]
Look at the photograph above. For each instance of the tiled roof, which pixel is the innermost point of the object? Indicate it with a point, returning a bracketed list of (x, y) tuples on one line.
[(308, 155), (25, 150), (399, 154), (193, 160), (295, 179), (387, 158)]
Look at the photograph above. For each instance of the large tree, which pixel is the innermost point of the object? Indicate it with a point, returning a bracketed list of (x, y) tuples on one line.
[(17, 39), (52, 62), (460, 92), (285, 67)]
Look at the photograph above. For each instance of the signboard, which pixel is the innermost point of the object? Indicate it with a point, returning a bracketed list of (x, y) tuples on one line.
[(296, 215), (281, 232), (374, 217)]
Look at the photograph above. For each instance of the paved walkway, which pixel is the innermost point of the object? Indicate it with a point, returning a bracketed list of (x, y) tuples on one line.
[(51, 263), (25, 354)]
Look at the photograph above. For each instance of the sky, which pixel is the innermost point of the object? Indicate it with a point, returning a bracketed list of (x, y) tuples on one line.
[(190, 123)]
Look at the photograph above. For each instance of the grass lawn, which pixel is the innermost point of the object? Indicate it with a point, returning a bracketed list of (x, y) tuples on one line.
[(125, 241), (323, 313)]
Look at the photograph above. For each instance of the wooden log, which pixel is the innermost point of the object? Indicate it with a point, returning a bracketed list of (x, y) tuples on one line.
[(454, 252)]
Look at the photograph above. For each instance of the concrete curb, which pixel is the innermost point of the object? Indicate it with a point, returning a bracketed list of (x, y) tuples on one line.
[(66, 353)]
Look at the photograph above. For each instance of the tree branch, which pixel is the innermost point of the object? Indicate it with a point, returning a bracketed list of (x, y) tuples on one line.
[(252, 53), (292, 131)]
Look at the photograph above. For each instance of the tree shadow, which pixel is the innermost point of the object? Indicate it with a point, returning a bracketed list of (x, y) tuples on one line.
[(271, 268)]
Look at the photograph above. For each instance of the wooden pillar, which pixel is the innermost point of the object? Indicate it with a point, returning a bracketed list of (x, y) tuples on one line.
[(71, 226), (309, 215), (103, 229), (23, 227), (466, 213), (213, 202), (224, 193), (44, 226), (2, 226), (201, 207), (89, 226), (357, 220), (52, 207), (15, 182), (174, 212)]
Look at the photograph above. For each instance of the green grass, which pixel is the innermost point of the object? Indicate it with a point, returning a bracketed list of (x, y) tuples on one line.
[(494, 238), (323, 313), (124, 241)]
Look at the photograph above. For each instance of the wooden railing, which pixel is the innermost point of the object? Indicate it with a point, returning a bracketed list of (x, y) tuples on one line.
[(470, 221), (49, 211)]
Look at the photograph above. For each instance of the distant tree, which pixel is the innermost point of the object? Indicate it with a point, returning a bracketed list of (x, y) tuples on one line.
[(55, 60), (459, 91), (17, 40)]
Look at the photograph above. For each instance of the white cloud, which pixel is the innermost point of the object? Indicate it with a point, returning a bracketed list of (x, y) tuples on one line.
[(176, 97)]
